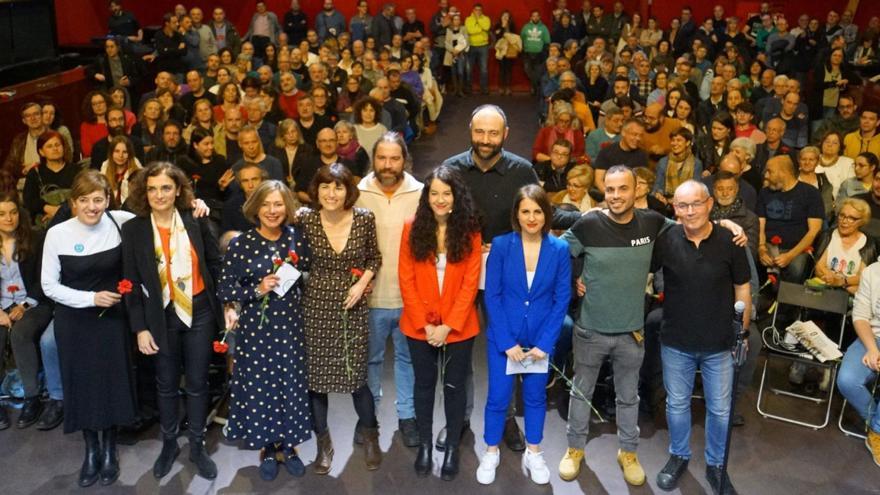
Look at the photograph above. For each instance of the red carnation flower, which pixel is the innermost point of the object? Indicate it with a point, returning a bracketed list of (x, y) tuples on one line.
[(661, 297), (776, 240), (357, 272), (124, 286), (809, 250), (772, 278), (277, 261), (294, 258), (433, 318), (197, 177), (12, 289), (220, 347)]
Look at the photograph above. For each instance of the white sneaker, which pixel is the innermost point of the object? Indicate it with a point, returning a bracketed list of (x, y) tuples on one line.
[(534, 466), (486, 470)]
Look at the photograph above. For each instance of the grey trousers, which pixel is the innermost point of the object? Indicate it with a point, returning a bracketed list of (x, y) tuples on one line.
[(590, 350)]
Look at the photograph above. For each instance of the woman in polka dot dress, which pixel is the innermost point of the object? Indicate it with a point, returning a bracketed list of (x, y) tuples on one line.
[(269, 396), (343, 239)]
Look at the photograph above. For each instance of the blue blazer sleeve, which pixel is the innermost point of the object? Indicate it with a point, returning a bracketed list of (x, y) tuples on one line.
[(561, 296), (497, 329)]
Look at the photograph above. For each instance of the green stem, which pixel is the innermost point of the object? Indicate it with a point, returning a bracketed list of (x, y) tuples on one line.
[(576, 390)]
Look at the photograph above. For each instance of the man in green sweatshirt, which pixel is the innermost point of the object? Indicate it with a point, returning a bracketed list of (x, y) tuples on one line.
[(535, 38)]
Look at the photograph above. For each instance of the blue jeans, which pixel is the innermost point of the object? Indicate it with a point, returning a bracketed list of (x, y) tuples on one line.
[(679, 369), (479, 56), (854, 379), (385, 323), (51, 365)]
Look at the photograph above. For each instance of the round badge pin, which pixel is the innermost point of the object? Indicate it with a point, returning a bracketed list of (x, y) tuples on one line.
[(79, 248)]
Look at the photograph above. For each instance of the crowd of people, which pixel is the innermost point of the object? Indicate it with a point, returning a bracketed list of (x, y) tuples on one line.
[(257, 201)]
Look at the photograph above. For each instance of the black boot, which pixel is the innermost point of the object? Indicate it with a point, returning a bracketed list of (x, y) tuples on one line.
[(30, 413), (423, 460), (198, 455), (166, 458), (450, 463), (109, 458), (88, 475), (53, 415)]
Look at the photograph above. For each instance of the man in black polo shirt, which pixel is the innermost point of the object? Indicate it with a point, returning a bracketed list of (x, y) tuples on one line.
[(872, 197), (704, 273), (626, 152)]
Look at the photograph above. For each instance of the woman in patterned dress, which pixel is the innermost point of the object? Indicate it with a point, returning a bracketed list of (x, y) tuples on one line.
[(343, 241), (269, 401)]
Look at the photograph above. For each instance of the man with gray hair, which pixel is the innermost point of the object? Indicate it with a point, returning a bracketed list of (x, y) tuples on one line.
[(704, 274)]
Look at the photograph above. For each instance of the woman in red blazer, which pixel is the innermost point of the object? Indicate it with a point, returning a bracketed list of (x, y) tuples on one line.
[(439, 270)]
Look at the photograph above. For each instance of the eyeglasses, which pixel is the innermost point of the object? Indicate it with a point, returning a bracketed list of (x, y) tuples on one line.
[(848, 218), (687, 206)]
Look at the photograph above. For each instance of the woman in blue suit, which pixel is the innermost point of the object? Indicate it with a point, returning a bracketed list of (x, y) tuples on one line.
[(528, 277)]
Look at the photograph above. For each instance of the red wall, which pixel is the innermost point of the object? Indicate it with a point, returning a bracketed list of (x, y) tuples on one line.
[(80, 20)]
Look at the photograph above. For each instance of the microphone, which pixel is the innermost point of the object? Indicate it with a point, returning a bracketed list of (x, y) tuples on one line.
[(739, 308)]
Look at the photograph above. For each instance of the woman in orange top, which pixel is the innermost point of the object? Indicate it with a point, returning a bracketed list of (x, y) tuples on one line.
[(172, 261), (439, 271)]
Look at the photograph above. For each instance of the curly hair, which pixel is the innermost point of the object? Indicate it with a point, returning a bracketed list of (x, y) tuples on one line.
[(463, 221), (137, 197)]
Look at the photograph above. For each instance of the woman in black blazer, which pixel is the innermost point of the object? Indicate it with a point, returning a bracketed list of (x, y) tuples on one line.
[(24, 310), (172, 260)]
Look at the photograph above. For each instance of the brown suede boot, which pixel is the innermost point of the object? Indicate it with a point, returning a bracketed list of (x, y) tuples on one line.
[(324, 457), (372, 451)]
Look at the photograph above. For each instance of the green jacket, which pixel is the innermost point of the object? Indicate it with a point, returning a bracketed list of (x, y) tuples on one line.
[(535, 36)]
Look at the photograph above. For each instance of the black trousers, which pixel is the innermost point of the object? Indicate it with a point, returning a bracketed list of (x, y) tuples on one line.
[(364, 406), (456, 366), (25, 339), (191, 348)]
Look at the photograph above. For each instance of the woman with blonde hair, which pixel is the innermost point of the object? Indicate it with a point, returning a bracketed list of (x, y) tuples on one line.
[(808, 161), (291, 149), (561, 123), (577, 187)]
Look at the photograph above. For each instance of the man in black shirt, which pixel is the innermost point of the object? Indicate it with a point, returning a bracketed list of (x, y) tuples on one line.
[(173, 146), (170, 48), (197, 91), (626, 152), (553, 172), (115, 127), (704, 273)]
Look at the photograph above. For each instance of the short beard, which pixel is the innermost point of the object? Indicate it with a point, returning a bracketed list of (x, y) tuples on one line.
[(496, 150), (387, 181)]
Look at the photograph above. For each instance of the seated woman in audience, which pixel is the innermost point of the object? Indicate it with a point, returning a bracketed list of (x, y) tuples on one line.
[(47, 185), (658, 94), (864, 167), (174, 257), (350, 94), (577, 186), (230, 97), (843, 252), (243, 68), (324, 104), (367, 113), (861, 363), (561, 123), (439, 271), (26, 311), (716, 143), (224, 75), (678, 166), (524, 322), (170, 108), (227, 60), (202, 117), (744, 149), (94, 125), (645, 180), (684, 113), (208, 171), (410, 76), (120, 166), (290, 149), (836, 167), (345, 258), (349, 149), (149, 125), (81, 272), (432, 98), (53, 122), (808, 160), (673, 96), (269, 387), (595, 87)]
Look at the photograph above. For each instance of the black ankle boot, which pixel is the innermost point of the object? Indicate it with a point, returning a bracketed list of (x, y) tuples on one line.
[(88, 475), (30, 413), (166, 458), (423, 460), (109, 459), (198, 455), (450, 463)]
